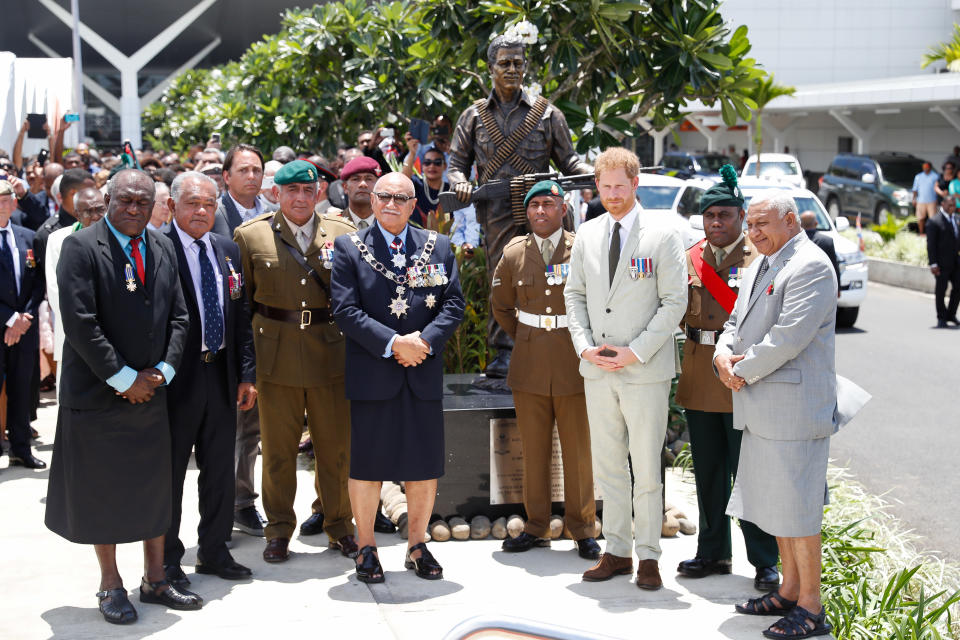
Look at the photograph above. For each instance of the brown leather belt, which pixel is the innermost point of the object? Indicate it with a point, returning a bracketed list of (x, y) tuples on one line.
[(303, 317), (703, 336)]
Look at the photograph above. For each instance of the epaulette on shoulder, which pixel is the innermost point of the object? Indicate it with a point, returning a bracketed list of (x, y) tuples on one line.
[(336, 218), (262, 216), (516, 241)]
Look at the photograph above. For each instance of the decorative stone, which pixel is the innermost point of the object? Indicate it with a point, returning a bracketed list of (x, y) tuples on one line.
[(670, 526), (556, 526), (499, 528), (439, 531), (514, 526), (597, 528), (480, 527), (687, 527), (459, 528)]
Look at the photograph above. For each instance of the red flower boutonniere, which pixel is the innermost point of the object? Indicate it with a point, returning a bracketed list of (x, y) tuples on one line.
[(770, 289)]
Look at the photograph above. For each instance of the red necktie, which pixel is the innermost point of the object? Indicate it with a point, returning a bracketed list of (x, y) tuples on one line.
[(138, 258)]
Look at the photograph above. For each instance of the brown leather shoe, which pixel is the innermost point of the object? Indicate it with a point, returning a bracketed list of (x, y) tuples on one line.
[(609, 566), (648, 575), (276, 550), (347, 545)]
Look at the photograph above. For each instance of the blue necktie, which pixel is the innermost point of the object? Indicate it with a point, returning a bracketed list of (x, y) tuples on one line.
[(6, 255), (212, 315)]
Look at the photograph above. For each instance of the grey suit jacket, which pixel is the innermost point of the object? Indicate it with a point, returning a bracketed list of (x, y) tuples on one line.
[(786, 335), (643, 313)]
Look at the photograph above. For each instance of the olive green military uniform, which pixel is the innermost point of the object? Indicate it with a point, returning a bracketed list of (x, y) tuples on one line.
[(546, 383), (300, 368), (714, 443)]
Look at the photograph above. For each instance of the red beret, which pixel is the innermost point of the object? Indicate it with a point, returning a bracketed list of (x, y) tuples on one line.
[(362, 164)]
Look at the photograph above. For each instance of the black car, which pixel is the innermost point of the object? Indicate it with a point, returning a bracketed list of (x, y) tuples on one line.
[(683, 165), (876, 185)]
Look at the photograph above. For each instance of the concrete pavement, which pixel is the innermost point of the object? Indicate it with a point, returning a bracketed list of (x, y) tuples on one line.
[(49, 583)]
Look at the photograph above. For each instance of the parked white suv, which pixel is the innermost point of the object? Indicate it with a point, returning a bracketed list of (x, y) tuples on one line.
[(782, 167)]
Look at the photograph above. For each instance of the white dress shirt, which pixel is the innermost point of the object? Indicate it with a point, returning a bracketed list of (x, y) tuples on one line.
[(247, 214), (12, 243), (192, 252), (626, 224)]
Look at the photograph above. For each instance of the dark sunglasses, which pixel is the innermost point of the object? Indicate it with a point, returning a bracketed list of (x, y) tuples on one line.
[(433, 163), (400, 198), (6, 166)]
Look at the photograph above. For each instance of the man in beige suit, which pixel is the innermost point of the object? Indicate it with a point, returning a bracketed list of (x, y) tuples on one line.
[(626, 295)]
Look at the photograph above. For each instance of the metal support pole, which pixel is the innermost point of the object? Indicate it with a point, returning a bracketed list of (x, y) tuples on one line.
[(78, 71)]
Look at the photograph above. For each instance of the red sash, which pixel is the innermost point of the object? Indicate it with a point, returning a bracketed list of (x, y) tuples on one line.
[(719, 289)]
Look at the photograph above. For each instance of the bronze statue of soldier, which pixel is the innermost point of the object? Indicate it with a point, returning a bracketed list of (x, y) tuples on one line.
[(507, 134)]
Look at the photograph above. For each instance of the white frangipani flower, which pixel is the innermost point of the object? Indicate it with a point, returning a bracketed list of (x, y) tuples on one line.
[(280, 125), (588, 126)]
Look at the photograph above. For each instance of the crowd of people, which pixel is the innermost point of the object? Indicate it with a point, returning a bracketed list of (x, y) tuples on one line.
[(217, 303), (935, 198)]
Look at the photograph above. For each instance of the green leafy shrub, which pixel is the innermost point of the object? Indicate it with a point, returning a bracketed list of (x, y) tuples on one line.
[(467, 350)]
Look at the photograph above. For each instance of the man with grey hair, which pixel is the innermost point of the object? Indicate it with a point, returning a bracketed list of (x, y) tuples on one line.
[(160, 216), (777, 354), (215, 378), (483, 130)]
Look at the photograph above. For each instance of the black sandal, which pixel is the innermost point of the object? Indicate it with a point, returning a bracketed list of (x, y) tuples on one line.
[(766, 605), (179, 599), (118, 610), (369, 569), (426, 566), (794, 625)]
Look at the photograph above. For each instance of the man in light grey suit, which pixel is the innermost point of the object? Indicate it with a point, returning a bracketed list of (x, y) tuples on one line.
[(625, 296), (777, 354)]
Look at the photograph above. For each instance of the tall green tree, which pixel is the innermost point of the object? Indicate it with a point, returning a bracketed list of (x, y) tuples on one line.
[(340, 67)]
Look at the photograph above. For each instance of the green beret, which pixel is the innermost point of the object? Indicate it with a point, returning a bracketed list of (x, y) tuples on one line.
[(544, 187), (296, 171), (724, 194)]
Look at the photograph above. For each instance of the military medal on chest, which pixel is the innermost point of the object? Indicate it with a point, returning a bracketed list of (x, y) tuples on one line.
[(733, 280), (641, 268), (414, 276), (326, 254), (30, 260), (557, 273), (234, 281), (131, 281)]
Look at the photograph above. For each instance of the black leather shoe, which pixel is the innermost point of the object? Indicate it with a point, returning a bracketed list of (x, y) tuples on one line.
[(941, 324), (954, 320), (588, 548), (500, 365), (171, 597), (232, 570), (28, 461), (118, 610), (382, 524), (249, 521), (312, 525), (767, 579), (524, 542), (175, 575), (347, 546), (701, 568)]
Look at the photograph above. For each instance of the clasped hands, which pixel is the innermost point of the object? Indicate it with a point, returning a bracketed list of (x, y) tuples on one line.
[(624, 356), (15, 331), (725, 368), (410, 349), (144, 386)]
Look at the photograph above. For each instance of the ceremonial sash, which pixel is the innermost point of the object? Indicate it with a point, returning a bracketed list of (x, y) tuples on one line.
[(719, 289)]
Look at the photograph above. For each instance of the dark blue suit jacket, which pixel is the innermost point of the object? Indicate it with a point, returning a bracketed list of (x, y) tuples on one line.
[(32, 288), (237, 328), (31, 211), (361, 299)]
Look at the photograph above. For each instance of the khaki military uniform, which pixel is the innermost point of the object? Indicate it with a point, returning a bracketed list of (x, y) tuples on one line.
[(714, 443), (300, 363), (546, 383)]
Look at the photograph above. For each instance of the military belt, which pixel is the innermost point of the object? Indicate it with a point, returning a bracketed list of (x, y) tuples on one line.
[(542, 322), (703, 336), (302, 317)]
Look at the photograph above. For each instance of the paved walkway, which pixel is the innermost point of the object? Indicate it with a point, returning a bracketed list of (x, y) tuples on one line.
[(48, 584)]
